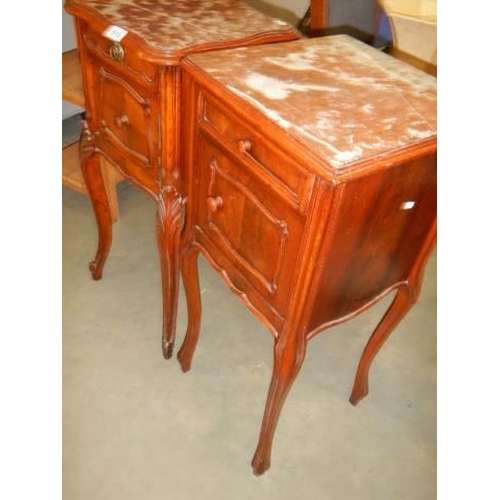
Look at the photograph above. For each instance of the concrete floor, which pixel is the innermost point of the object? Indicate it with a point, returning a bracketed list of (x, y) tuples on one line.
[(136, 427)]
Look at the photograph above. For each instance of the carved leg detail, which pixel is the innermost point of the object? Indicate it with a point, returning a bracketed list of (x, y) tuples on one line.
[(403, 301), (91, 169), (189, 269), (289, 355), (168, 230), (401, 304)]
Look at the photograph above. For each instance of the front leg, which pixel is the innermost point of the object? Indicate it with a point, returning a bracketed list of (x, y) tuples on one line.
[(169, 221), (289, 353), (94, 181)]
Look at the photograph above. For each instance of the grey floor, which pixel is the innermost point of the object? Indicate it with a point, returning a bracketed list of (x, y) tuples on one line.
[(136, 427)]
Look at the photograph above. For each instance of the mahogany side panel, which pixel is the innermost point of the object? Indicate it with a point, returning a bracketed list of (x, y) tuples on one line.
[(383, 220)]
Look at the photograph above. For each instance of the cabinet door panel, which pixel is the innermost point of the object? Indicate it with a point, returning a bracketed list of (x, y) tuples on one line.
[(243, 218), (127, 117), (229, 200)]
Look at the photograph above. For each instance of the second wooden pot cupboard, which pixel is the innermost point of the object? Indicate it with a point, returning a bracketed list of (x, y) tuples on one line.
[(304, 171)]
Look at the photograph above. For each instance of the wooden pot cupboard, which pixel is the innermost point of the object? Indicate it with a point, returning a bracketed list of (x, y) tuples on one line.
[(304, 171), (131, 81)]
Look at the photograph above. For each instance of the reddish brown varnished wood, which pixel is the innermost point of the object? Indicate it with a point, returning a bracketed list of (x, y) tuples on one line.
[(168, 230), (289, 354), (397, 310), (406, 296), (189, 269), (307, 237), (308, 228), (133, 100), (92, 173), (319, 17)]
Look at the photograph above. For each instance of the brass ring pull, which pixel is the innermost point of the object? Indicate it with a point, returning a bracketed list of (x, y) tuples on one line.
[(214, 203), (117, 52), (120, 121)]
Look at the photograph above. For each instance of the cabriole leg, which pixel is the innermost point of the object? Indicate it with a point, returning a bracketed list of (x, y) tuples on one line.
[(92, 173), (168, 230), (402, 303), (289, 353), (189, 270)]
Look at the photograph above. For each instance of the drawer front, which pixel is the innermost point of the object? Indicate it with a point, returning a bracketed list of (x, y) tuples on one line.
[(125, 104), (128, 116), (272, 165), (256, 233), (122, 60)]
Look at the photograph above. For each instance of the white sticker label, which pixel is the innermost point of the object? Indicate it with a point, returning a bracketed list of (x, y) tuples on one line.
[(407, 205), (115, 33)]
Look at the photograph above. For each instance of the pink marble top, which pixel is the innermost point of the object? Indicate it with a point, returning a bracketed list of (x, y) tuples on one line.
[(174, 25), (344, 99)]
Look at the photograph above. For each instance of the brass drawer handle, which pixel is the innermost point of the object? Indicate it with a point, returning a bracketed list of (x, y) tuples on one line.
[(244, 145), (117, 52), (120, 121), (214, 203)]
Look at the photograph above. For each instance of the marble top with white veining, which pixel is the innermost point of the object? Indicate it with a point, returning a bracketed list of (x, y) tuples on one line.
[(342, 98), (174, 25)]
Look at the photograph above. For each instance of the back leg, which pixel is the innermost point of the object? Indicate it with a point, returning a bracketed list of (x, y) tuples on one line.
[(401, 304)]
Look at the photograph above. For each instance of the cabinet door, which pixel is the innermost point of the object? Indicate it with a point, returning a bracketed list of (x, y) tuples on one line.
[(128, 117), (251, 233), (125, 105)]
